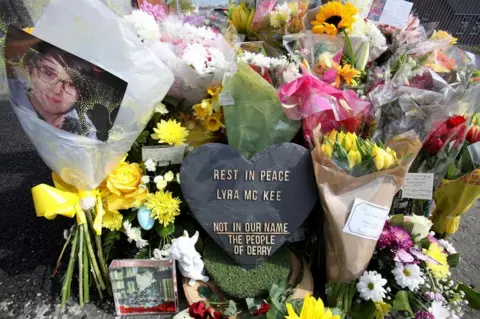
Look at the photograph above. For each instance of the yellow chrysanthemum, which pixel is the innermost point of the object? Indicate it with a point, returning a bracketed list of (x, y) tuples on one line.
[(440, 270), (214, 90), (200, 112), (170, 132), (28, 30), (164, 207), (382, 310), (311, 309), (213, 123), (112, 219), (347, 73), (336, 15)]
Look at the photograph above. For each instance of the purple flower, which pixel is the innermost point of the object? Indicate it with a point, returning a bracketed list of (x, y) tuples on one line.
[(421, 256), (403, 256), (432, 239), (402, 239), (424, 315), (386, 239), (194, 20), (154, 10), (432, 296)]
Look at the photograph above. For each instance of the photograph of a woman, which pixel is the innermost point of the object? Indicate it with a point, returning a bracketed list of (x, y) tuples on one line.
[(61, 88)]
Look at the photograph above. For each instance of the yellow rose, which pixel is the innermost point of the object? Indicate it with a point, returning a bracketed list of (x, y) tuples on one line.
[(354, 158), (121, 189), (327, 150)]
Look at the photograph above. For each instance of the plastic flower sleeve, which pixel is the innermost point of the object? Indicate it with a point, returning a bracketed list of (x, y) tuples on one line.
[(348, 255), (256, 120), (89, 30)]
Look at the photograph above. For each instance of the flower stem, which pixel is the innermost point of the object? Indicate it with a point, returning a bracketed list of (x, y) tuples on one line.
[(69, 238), (348, 42), (68, 277), (80, 267), (99, 246), (86, 275), (93, 260)]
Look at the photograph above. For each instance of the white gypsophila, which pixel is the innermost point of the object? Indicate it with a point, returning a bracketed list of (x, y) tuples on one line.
[(263, 61), (408, 276), (145, 179), (134, 234), (161, 185), (169, 176), (371, 286), (203, 59), (144, 25), (363, 7), (421, 225), (150, 165), (439, 311), (161, 108), (448, 246)]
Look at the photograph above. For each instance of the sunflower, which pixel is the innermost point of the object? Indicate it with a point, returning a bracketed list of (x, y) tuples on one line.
[(311, 309), (348, 73), (333, 17)]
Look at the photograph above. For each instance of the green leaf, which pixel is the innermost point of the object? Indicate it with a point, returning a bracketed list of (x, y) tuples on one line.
[(453, 260), (471, 295), (131, 215), (142, 253), (214, 298), (108, 241), (232, 309), (205, 291), (250, 303), (401, 302), (351, 54), (397, 220), (363, 310), (425, 243), (165, 231)]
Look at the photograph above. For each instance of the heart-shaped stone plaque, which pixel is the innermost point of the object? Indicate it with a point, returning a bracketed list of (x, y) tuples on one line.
[(249, 207)]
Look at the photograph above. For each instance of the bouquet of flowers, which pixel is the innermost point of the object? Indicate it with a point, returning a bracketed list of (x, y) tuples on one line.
[(368, 171), (409, 276)]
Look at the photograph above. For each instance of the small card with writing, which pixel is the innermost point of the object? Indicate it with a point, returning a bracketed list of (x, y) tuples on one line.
[(366, 220), (391, 12), (418, 186), (226, 99), (164, 155)]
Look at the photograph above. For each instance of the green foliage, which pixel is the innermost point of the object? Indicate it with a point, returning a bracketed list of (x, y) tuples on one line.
[(165, 231), (231, 309), (340, 295), (240, 283), (205, 292), (453, 260), (471, 295), (108, 241), (142, 253), (279, 295), (401, 302), (363, 310)]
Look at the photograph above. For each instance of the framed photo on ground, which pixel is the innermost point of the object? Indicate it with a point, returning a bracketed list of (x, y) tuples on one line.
[(142, 286)]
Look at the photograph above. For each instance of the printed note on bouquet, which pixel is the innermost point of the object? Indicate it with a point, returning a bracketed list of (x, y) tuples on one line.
[(366, 219), (164, 155), (418, 186), (226, 99), (391, 12)]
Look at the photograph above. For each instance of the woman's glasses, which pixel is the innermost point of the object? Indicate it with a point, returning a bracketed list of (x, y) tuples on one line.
[(50, 77)]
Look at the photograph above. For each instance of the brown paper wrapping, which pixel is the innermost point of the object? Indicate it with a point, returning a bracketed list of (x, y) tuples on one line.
[(348, 255)]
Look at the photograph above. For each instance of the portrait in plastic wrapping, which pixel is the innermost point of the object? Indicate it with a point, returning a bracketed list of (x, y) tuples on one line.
[(60, 88)]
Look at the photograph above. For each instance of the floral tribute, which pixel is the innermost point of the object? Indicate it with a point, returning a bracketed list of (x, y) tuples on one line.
[(409, 274)]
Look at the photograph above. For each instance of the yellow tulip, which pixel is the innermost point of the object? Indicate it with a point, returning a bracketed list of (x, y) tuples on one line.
[(340, 137), (392, 153), (378, 158), (332, 136), (388, 160), (350, 142), (354, 158), (327, 149)]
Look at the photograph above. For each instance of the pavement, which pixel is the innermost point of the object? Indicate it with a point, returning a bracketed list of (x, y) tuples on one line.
[(29, 246)]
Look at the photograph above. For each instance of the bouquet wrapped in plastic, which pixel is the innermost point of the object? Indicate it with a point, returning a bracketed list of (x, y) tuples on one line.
[(82, 106), (348, 169), (255, 120)]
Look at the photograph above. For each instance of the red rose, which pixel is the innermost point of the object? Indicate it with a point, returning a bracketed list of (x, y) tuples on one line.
[(433, 145), (264, 308), (473, 134), (455, 121), (218, 315), (198, 310)]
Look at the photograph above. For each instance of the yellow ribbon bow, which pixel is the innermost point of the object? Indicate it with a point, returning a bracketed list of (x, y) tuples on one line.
[(64, 199)]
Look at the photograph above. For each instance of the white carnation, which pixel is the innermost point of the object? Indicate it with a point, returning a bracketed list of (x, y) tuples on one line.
[(144, 25)]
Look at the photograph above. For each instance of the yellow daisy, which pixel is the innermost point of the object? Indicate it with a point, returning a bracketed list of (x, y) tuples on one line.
[(311, 309), (170, 132), (336, 15)]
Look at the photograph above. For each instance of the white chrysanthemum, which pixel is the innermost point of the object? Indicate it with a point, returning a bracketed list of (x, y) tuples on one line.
[(363, 7), (291, 73), (145, 179), (263, 61), (439, 311), (150, 165), (371, 286), (368, 31), (134, 234), (408, 276), (161, 108), (174, 31), (144, 25), (448, 246), (169, 176), (203, 59)]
